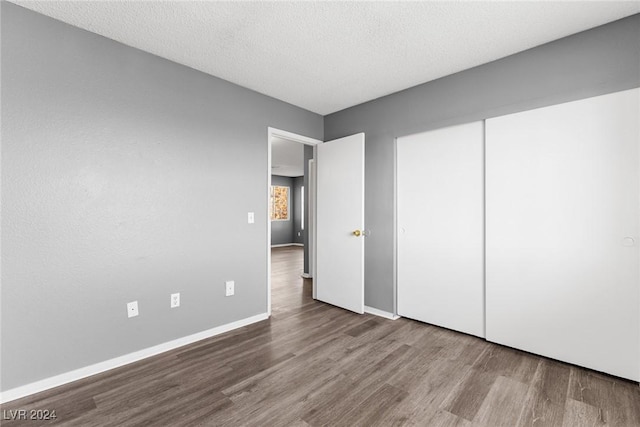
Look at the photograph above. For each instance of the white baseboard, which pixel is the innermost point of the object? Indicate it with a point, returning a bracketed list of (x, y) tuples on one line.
[(284, 245), (67, 377), (380, 313)]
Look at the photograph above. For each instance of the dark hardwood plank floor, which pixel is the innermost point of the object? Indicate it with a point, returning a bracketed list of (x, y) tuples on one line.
[(312, 364)]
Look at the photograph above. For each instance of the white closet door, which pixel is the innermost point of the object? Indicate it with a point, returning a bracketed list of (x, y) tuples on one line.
[(563, 212), (440, 216)]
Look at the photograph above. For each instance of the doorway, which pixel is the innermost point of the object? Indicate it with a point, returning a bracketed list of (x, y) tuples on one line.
[(290, 223)]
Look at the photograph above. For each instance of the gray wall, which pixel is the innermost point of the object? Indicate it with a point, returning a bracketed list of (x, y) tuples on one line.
[(602, 60), (115, 187)]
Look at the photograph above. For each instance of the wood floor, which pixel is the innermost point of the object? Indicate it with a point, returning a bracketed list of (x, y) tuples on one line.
[(312, 364)]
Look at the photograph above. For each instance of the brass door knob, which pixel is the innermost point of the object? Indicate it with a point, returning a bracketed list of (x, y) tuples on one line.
[(357, 233)]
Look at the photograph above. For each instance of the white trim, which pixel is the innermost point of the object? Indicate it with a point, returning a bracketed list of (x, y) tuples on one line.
[(313, 217), (279, 133), (395, 225), (268, 219), (87, 371), (284, 245), (380, 313), (283, 134), (311, 224)]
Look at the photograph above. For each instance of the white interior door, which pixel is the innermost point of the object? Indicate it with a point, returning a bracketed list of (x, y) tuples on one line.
[(339, 270), (563, 224), (440, 208)]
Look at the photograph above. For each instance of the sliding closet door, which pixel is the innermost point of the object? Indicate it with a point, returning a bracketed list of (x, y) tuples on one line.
[(440, 208), (563, 212)]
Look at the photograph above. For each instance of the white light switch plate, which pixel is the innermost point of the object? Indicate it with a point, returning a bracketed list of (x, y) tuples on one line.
[(229, 288), (250, 218), (132, 309)]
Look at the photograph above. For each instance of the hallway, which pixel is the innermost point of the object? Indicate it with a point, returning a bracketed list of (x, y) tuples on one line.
[(289, 291)]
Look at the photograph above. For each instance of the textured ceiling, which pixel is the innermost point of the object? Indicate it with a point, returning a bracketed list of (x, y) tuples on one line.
[(327, 56)]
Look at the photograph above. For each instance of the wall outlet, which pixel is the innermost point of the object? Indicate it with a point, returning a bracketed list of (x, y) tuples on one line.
[(132, 309), (251, 218), (229, 288), (175, 300)]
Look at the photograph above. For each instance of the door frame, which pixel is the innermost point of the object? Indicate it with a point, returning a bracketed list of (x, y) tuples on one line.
[(311, 194), (294, 137)]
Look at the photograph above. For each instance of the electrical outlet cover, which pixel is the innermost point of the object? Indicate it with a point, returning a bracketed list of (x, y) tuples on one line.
[(175, 300)]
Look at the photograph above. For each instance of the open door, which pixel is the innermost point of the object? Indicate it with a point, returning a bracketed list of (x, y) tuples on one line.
[(339, 271)]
